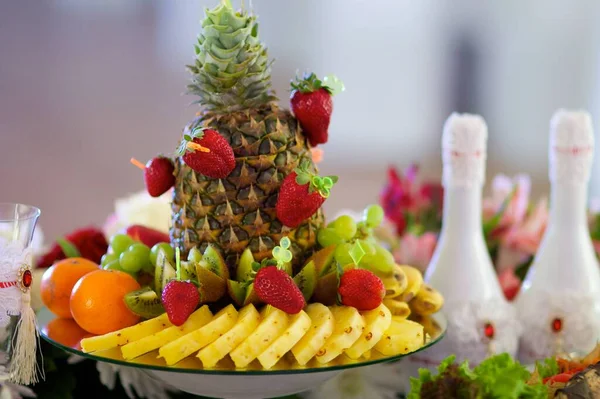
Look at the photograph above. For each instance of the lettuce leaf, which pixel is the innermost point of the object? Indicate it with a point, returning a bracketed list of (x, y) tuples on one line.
[(548, 368)]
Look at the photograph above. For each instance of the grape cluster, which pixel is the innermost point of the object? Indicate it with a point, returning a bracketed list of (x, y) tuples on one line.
[(345, 233), (130, 256)]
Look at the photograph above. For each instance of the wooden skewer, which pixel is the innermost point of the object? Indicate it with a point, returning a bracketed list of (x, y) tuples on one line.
[(137, 163), (197, 147)]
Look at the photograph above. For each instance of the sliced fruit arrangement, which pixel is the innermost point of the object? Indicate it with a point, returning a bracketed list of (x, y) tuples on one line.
[(320, 333)]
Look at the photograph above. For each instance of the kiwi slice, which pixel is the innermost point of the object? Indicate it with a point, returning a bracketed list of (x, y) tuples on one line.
[(145, 303), (188, 271), (213, 261), (326, 289), (211, 287), (244, 268), (251, 297), (194, 255), (163, 272), (306, 280), (323, 260), (236, 291)]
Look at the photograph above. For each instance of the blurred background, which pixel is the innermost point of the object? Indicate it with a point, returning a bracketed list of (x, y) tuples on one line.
[(87, 84)]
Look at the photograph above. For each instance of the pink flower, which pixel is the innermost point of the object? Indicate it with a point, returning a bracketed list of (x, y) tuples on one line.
[(525, 237), (509, 199), (509, 283), (416, 250), (403, 199)]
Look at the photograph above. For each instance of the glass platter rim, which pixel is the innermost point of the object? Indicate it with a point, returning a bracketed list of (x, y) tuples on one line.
[(439, 318)]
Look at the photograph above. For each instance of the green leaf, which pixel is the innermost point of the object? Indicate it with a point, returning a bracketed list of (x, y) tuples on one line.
[(547, 368), (68, 248)]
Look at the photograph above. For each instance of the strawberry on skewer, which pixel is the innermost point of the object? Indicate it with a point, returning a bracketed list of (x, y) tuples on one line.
[(207, 152), (180, 298), (312, 104), (301, 195), (158, 175)]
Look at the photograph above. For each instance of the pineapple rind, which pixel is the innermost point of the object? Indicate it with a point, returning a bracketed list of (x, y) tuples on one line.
[(238, 212)]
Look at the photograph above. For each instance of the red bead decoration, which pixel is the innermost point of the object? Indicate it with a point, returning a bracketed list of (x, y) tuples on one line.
[(489, 330), (27, 278), (557, 325)]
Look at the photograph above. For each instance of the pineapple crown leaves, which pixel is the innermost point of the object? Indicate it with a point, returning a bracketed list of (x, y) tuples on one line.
[(231, 71), (185, 147), (310, 83), (317, 183)]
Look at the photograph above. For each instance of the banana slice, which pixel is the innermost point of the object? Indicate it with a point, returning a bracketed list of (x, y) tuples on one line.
[(415, 281), (147, 344), (273, 324), (349, 325), (248, 320), (126, 335), (397, 308), (377, 322), (396, 283), (320, 330), (182, 347), (427, 301), (403, 336), (299, 324)]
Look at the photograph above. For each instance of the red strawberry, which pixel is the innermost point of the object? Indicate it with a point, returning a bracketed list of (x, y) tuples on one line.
[(146, 235), (301, 195), (311, 103), (361, 289), (158, 175), (207, 152), (180, 299), (90, 243), (276, 288)]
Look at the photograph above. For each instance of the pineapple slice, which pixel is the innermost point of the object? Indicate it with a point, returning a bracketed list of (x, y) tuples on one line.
[(248, 320), (126, 335), (299, 324), (349, 326), (137, 348), (184, 346), (403, 336), (377, 323), (274, 322), (320, 330)]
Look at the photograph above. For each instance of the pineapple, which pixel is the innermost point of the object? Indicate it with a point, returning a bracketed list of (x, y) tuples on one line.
[(377, 322), (231, 77), (349, 325), (248, 320), (321, 328), (403, 336), (299, 325)]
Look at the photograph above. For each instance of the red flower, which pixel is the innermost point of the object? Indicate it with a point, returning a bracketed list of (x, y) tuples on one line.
[(90, 242)]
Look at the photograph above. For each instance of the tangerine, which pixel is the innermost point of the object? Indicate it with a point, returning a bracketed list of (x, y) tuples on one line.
[(65, 331), (97, 303), (58, 282)]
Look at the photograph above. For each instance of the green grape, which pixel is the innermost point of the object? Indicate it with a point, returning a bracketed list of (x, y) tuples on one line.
[(120, 242), (367, 246), (342, 254), (169, 252), (135, 258), (328, 236), (374, 215), (107, 258), (114, 265), (345, 226), (381, 261)]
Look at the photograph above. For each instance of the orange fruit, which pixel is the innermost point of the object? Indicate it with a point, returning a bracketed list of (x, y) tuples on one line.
[(58, 281), (97, 303), (64, 331)]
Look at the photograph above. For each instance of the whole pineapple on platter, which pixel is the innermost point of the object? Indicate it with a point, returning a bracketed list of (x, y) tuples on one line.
[(231, 77)]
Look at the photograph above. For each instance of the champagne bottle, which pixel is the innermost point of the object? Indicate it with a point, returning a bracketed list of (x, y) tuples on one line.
[(480, 320), (559, 302)]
